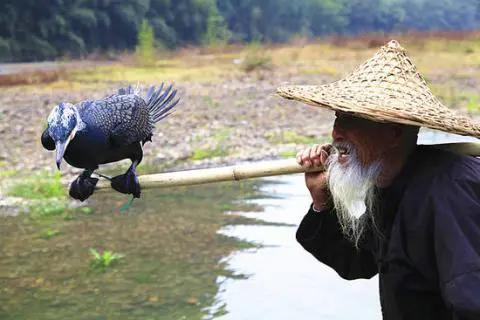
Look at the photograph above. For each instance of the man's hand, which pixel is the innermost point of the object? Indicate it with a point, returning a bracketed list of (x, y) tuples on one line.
[(316, 182)]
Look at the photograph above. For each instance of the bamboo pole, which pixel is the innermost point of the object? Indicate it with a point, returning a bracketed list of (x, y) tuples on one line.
[(203, 176), (251, 170)]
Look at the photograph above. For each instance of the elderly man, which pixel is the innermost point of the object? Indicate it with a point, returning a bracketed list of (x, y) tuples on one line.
[(385, 205)]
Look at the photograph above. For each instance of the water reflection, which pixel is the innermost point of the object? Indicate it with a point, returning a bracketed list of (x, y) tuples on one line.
[(284, 281)]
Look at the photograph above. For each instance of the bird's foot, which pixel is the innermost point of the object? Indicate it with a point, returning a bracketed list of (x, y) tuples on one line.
[(127, 183), (82, 187)]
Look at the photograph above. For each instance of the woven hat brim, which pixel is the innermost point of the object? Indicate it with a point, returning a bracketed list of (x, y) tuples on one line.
[(382, 106)]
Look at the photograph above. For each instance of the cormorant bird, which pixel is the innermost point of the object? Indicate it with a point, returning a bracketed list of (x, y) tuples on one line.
[(95, 132)]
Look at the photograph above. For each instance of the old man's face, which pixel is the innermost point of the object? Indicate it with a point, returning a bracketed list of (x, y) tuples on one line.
[(370, 139), (354, 168)]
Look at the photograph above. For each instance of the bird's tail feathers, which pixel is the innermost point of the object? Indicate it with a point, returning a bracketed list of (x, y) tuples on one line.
[(160, 102)]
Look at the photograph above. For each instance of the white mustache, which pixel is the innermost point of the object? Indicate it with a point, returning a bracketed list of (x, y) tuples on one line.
[(351, 186)]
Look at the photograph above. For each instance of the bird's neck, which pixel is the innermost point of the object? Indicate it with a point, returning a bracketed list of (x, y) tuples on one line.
[(80, 124)]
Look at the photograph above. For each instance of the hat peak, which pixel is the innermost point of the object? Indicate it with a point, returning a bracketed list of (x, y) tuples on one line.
[(394, 44)]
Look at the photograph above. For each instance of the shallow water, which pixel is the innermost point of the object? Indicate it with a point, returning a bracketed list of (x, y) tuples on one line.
[(173, 256), (285, 281)]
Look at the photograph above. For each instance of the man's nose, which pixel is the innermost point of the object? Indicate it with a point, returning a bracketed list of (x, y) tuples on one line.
[(337, 131)]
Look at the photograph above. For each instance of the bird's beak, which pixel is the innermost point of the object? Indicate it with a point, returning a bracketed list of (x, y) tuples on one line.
[(60, 148)]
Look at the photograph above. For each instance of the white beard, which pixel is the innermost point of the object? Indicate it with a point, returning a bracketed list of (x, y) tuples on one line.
[(352, 188)]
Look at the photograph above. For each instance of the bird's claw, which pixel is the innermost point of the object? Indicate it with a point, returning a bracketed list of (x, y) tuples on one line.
[(82, 187), (127, 183)]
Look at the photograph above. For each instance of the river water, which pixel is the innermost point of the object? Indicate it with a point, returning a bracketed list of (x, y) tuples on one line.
[(285, 281)]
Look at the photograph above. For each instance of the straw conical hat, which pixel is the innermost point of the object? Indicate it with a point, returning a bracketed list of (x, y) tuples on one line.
[(386, 88)]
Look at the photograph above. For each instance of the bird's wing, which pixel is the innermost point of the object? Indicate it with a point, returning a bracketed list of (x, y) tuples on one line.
[(131, 119)]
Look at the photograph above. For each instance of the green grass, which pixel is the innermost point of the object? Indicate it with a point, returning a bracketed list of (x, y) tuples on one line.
[(86, 210), (48, 208), (207, 153), (45, 196), (286, 137), (473, 104), (216, 147), (172, 70), (40, 186), (456, 98), (8, 173), (288, 154)]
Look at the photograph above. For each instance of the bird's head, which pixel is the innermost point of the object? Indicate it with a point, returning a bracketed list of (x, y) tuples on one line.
[(62, 127)]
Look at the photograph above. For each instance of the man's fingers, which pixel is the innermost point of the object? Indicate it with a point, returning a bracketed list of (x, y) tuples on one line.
[(327, 147), (323, 157), (313, 152), (307, 163), (314, 156), (306, 154), (299, 157)]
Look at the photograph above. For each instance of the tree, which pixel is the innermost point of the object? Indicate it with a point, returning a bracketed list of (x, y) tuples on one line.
[(145, 44)]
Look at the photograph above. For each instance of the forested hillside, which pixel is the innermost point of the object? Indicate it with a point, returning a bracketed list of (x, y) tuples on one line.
[(32, 30)]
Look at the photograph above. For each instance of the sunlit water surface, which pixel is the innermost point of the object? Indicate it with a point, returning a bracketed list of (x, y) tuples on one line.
[(285, 281)]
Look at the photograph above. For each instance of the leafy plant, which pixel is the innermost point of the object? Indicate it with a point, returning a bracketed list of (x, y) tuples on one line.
[(105, 260), (145, 49)]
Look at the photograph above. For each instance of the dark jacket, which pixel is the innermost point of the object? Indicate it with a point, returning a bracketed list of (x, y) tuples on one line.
[(426, 244)]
